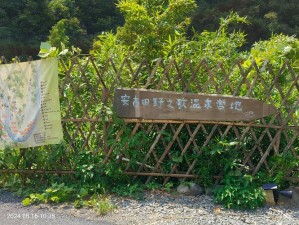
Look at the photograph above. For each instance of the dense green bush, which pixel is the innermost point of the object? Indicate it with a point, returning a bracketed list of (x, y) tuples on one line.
[(240, 192)]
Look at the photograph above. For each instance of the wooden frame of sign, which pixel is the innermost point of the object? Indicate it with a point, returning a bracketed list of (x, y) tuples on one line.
[(169, 105)]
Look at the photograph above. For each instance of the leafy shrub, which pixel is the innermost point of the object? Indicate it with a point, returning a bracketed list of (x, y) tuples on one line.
[(56, 193), (240, 192)]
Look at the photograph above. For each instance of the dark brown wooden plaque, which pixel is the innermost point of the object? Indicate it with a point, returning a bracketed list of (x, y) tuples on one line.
[(168, 105)]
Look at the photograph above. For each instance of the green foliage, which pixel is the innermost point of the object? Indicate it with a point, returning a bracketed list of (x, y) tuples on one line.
[(97, 15), (150, 24), (60, 9), (77, 22), (153, 186), (278, 49), (46, 50), (130, 148), (58, 34), (23, 24), (102, 205), (10, 158), (90, 170), (214, 46), (272, 19), (62, 193), (56, 193), (168, 187), (283, 164), (88, 188), (266, 17), (69, 32), (240, 192), (108, 46), (160, 30), (219, 157), (130, 190)]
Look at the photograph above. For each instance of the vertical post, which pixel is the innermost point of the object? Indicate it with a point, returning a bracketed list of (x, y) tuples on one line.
[(105, 123), (281, 123), (277, 144)]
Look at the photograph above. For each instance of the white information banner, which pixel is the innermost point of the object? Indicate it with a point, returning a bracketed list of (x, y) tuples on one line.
[(29, 104)]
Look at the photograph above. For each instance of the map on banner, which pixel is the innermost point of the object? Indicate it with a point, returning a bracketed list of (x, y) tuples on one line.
[(29, 104)]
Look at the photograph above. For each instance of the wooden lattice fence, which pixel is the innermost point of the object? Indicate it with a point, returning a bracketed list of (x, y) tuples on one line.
[(155, 148)]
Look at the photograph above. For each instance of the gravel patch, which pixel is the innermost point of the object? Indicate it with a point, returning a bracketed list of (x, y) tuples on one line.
[(156, 208), (163, 208)]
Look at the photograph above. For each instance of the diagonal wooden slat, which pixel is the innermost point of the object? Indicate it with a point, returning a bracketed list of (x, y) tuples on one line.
[(184, 150), (166, 150)]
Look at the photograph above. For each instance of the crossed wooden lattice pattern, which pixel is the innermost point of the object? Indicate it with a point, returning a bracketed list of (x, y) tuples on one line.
[(175, 147), (169, 149)]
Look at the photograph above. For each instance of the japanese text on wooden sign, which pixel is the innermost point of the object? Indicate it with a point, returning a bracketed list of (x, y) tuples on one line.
[(154, 104)]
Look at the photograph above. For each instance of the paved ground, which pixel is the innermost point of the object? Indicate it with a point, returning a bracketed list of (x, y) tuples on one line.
[(12, 212)]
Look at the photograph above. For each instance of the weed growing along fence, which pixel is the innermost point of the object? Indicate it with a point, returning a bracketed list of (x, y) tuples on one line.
[(207, 150)]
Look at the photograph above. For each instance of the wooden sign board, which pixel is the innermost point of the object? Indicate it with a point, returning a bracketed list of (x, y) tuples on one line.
[(168, 105)]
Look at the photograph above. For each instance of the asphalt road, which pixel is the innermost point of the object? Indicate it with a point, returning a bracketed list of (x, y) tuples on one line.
[(12, 212)]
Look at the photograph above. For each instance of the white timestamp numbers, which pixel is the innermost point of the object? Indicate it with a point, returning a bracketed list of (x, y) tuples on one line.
[(30, 216)]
